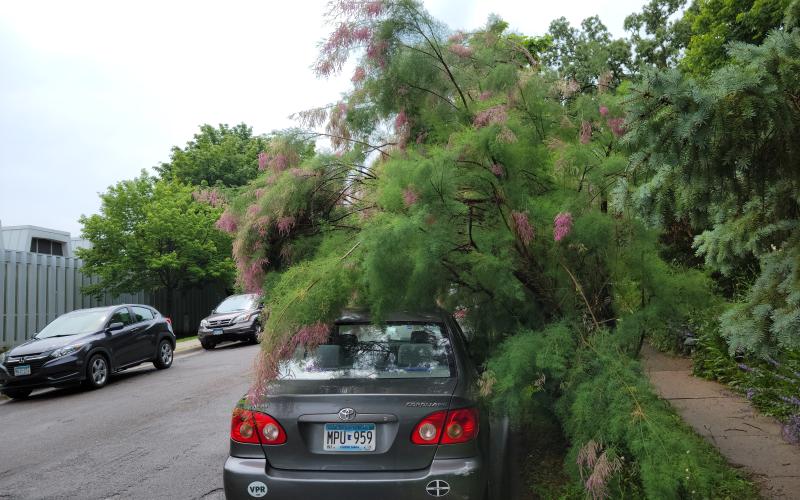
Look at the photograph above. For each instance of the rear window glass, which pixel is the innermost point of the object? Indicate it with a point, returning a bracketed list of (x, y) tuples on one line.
[(361, 351)]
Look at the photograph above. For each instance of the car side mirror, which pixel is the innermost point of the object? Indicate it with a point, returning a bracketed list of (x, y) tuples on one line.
[(114, 327)]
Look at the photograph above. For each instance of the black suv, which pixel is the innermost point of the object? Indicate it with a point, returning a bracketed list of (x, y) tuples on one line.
[(87, 345), (238, 317)]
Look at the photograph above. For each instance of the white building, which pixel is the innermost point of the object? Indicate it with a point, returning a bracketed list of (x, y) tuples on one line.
[(36, 239)]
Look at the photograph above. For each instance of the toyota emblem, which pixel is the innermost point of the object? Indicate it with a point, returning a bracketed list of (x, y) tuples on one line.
[(437, 488), (347, 414)]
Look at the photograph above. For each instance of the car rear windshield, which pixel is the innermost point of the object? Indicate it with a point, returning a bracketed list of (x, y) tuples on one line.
[(362, 351), (237, 303)]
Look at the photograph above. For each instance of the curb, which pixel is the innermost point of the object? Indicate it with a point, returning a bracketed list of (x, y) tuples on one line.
[(190, 346)]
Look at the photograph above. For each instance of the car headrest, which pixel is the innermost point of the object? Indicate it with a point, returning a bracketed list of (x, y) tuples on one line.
[(328, 356), (413, 355), (421, 337)]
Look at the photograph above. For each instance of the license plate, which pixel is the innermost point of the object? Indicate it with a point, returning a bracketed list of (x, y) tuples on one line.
[(22, 370), (217, 331), (349, 437)]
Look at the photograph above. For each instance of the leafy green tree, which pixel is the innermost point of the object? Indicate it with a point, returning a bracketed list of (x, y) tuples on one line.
[(223, 155), (587, 54), (152, 235), (657, 36), (721, 153), (462, 177), (713, 24)]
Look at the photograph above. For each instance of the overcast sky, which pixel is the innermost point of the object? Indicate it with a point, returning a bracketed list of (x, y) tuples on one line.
[(92, 92)]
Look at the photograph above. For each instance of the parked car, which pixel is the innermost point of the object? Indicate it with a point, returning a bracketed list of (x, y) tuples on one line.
[(383, 411), (238, 317), (88, 345)]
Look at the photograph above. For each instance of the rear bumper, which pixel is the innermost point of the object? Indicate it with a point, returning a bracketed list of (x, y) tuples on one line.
[(464, 476)]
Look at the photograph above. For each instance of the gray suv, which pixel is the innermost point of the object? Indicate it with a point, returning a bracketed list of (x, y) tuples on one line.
[(238, 317), (383, 410)]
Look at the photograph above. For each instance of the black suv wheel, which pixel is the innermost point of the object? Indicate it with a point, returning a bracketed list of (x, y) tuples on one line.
[(97, 371), (164, 356)]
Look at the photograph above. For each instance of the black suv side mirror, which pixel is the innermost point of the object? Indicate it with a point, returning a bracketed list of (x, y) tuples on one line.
[(114, 327)]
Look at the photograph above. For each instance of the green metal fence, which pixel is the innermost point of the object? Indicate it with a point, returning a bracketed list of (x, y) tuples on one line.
[(35, 289)]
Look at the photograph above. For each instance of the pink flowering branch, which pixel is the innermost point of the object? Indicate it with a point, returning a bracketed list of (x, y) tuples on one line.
[(523, 227), (410, 197), (562, 225)]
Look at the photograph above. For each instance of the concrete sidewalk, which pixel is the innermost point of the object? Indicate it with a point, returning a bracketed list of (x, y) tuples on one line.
[(187, 346), (746, 438)]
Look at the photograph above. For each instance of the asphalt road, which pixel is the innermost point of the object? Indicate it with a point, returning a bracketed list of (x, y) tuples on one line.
[(149, 434)]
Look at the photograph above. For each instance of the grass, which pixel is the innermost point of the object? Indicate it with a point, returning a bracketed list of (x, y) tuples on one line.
[(185, 339)]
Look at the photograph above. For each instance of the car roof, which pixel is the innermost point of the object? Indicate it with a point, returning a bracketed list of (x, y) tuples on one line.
[(109, 308), (364, 316)]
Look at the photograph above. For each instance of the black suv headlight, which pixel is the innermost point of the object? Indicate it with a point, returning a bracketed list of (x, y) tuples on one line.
[(66, 350)]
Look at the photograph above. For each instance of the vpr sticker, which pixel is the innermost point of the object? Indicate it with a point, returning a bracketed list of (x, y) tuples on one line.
[(257, 489)]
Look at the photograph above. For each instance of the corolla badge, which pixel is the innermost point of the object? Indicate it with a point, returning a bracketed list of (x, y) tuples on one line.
[(347, 414)]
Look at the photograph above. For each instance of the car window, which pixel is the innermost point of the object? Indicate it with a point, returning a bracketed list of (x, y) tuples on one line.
[(121, 316), (236, 303), (142, 314), (369, 351)]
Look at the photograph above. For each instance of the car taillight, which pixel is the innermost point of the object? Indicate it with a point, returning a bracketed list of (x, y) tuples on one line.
[(429, 429), (256, 428), (461, 426), (169, 323), (447, 427)]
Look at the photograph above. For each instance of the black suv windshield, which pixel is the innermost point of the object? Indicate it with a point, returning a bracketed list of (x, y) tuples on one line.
[(236, 303), (74, 323), (368, 351)]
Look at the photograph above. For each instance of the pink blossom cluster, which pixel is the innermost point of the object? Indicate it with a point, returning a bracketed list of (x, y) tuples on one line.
[(400, 121), (586, 132), (523, 227), (457, 37), (227, 222), (567, 88), (460, 50), (460, 312), (496, 114), (410, 197), (374, 9), (376, 52), (262, 225), (253, 210), (362, 34), (358, 75), (603, 111), (562, 225), (210, 196), (285, 224), (506, 135), (263, 158), (599, 466), (252, 276), (259, 192), (617, 126), (486, 94), (497, 170)]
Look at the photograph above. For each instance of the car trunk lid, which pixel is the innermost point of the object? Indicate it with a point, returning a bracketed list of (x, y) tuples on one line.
[(394, 406)]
